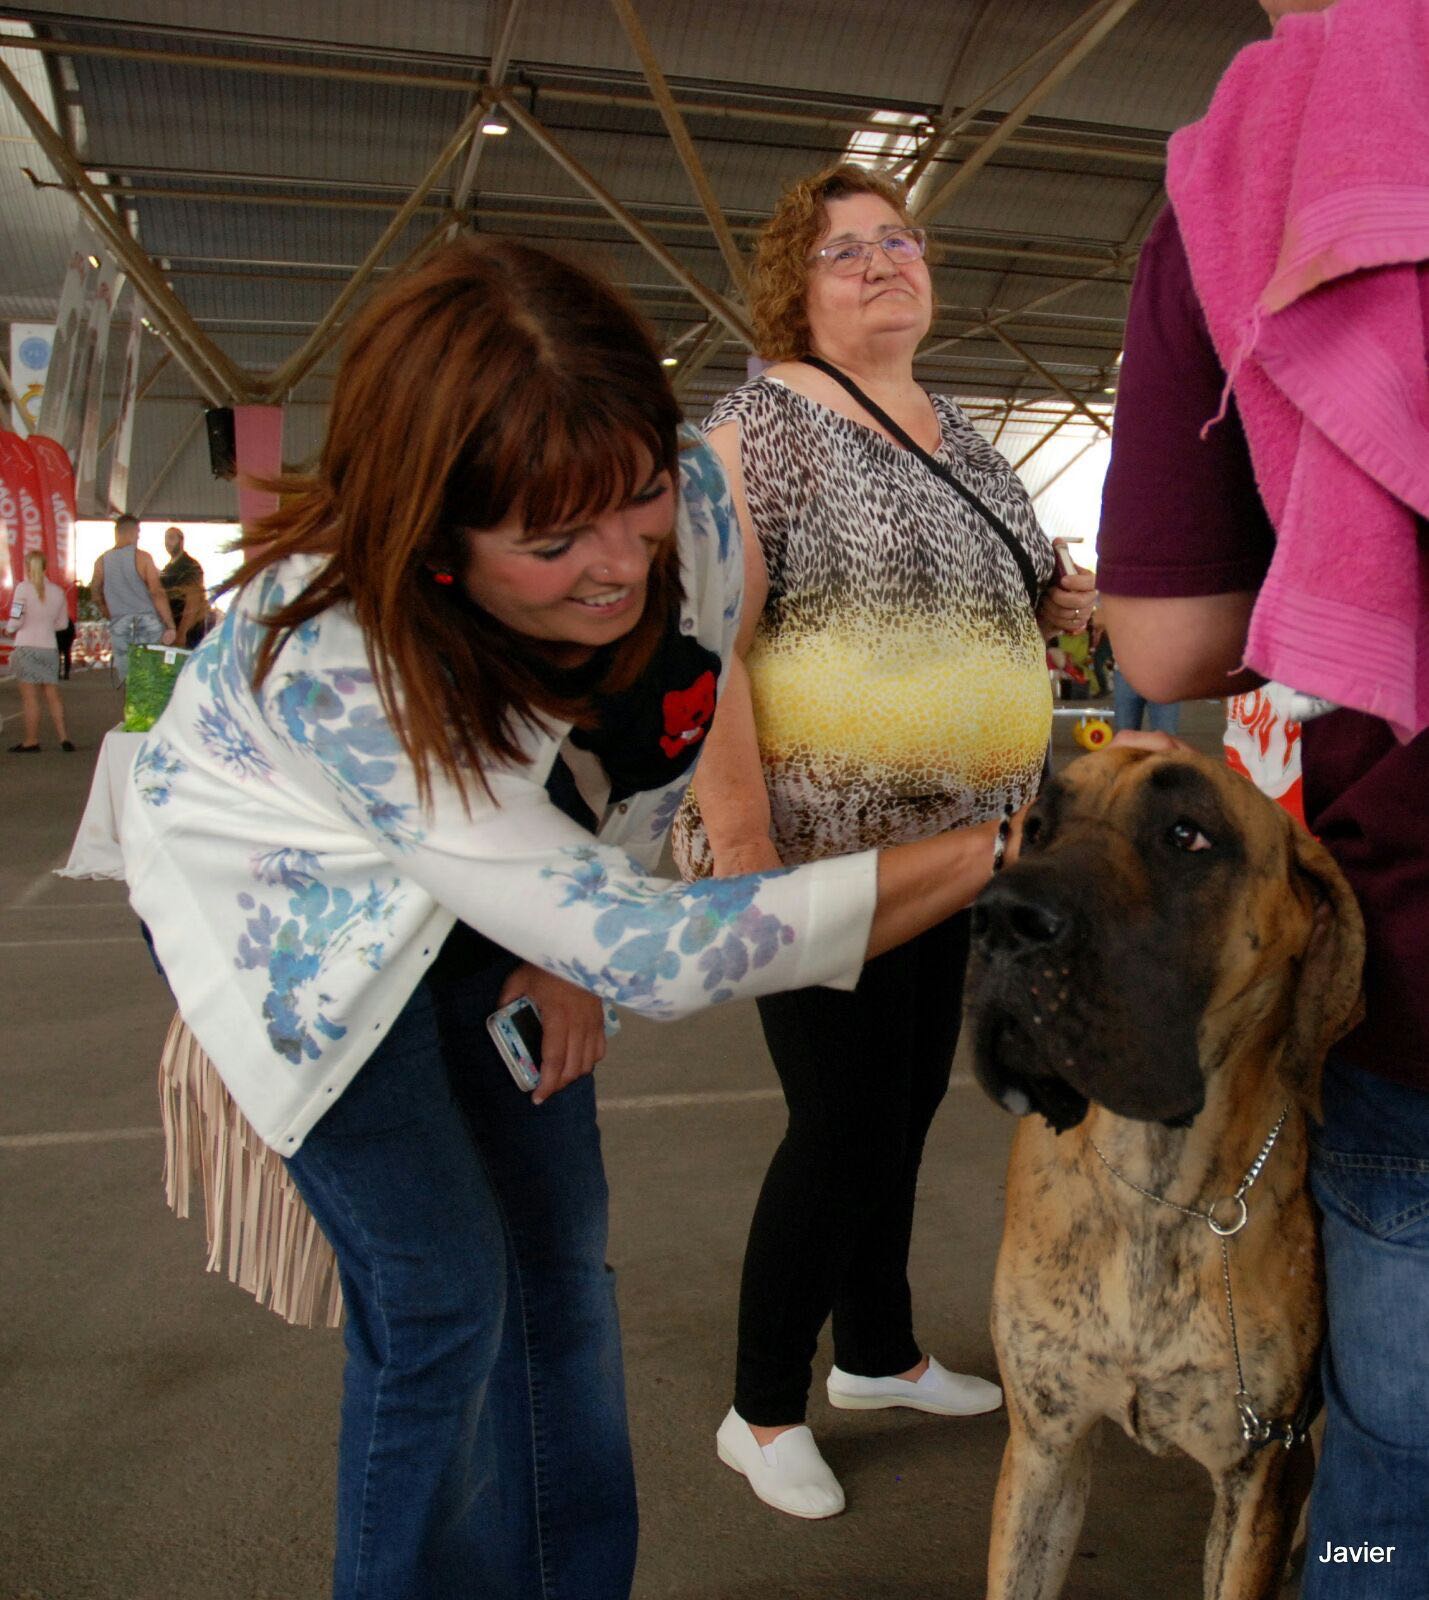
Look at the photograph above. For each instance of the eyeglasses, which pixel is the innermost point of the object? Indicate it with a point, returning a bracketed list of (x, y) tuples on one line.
[(853, 255)]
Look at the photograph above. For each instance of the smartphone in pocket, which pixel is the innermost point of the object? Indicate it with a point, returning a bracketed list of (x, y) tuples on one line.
[(516, 1032)]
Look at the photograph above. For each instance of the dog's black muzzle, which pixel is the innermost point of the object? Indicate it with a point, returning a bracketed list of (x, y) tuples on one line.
[(1069, 1008)]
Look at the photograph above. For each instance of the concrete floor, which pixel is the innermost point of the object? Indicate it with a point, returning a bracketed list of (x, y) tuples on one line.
[(162, 1438)]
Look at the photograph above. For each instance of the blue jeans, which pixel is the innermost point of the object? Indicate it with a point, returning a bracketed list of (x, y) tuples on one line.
[(1128, 709), (125, 632), (484, 1449), (1370, 1175)]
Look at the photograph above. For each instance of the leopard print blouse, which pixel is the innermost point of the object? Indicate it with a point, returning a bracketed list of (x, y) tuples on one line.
[(899, 679)]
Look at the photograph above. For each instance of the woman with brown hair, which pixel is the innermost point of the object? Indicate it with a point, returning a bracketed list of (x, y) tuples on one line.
[(888, 683), (423, 768)]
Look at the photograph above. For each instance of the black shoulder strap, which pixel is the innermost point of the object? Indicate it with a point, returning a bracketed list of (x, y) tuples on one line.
[(938, 469)]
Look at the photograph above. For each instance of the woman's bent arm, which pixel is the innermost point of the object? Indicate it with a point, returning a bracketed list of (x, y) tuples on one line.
[(1179, 648), (729, 782), (921, 884)]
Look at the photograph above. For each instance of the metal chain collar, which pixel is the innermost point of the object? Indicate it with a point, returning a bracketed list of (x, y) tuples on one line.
[(1255, 1429)]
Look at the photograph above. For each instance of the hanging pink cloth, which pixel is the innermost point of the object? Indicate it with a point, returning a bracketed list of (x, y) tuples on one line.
[(1303, 200)]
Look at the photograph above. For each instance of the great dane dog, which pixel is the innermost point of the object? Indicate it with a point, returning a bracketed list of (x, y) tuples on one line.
[(1155, 985)]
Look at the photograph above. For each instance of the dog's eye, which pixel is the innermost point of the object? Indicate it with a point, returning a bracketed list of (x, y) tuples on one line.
[(1031, 830), (1185, 835)]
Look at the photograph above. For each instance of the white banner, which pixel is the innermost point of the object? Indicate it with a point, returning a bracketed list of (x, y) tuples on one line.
[(59, 413), (31, 345), (128, 404), (92, 360)]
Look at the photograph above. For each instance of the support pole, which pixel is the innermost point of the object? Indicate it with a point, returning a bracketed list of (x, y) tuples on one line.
[(219, 381), (948, 238), (156, 483), (438, 83), (941, 141), (1051, 433), (713, 303), (495, 75), (414, 258), (139, 394), (684, 145), (939, 132), (301, 362), (1063, 68), (1048, 377), (216, 378), (1007, 411), (258, 454), (707, 347), (691, 336), (1017, 311), (1066, 466), (14, 399)]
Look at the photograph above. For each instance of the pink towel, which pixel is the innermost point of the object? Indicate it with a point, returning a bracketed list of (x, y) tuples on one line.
[(1303, 200)]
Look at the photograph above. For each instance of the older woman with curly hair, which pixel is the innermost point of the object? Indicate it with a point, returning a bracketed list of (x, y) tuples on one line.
[(889, 683)]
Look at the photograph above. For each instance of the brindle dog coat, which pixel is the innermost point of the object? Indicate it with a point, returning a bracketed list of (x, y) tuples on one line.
[(1160, 975)]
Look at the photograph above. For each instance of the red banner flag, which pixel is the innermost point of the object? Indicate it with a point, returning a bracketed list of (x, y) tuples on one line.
[(9, 550), (20, 512), (57, 507)]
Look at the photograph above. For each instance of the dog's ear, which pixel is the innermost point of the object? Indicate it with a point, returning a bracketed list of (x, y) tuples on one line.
[(1328, 1000)]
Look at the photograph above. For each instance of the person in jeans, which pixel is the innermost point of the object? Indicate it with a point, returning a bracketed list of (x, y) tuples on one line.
[(1181, 574), (1131, 711), (425, 766), (127, 589)]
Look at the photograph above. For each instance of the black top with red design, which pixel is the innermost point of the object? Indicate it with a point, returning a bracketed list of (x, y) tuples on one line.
[(650, 733), (643, 737)]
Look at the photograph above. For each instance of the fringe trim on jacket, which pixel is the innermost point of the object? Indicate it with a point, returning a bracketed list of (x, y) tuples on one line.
[(260, 1232)]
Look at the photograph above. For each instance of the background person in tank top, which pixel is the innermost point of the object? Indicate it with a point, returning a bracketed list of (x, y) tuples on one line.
[(127, 590)]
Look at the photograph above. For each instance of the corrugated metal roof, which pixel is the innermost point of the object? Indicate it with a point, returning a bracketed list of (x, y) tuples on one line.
[(185, 230), (260, 191), (38, 226), (436, 27), (143, 113)]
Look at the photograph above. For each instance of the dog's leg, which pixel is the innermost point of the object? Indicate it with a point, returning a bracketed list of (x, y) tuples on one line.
[(1037, 1515), (1256, 1508)]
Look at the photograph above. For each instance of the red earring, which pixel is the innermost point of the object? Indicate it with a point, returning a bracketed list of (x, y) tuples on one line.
[(443, 578)]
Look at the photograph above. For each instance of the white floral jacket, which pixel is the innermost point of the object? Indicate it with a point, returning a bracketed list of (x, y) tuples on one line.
[(297, 891)]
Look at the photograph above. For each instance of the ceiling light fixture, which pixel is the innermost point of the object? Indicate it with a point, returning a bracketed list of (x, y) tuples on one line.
[(494, 123), (94, 262), (669, 361)]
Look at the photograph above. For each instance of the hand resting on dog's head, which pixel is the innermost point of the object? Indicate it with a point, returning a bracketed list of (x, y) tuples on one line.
[(1098, 971)]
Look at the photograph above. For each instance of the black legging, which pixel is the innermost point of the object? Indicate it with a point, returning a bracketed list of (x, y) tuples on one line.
[(64, 643), (863, 1073)]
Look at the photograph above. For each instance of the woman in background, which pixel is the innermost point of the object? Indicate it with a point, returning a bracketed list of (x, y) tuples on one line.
[(38, 612), (64, 639), (889, 683)]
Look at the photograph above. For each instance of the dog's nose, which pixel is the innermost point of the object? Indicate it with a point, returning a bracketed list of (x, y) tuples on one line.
[(1008, 919)]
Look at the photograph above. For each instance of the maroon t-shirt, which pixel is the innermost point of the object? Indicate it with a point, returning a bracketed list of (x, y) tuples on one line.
[(1181, 517)]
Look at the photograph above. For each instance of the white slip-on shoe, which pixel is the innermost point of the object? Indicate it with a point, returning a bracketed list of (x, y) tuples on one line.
[(789, 1474), (946, 1394)]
